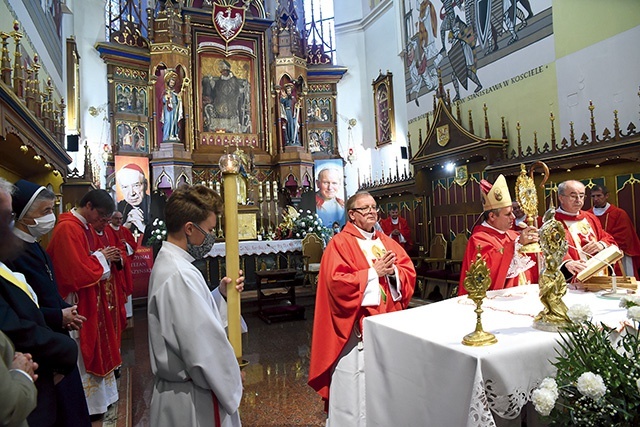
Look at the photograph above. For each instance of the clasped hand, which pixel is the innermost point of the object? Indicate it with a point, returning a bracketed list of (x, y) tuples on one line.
[(24, 362), (71, 319), (135, 217), (384, 265)]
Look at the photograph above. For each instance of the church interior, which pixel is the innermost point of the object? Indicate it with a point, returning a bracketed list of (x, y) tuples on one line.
[(413, 101)]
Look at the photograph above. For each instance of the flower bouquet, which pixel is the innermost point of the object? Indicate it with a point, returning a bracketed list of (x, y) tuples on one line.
[(158, 234), (297, 224), (598, 373)]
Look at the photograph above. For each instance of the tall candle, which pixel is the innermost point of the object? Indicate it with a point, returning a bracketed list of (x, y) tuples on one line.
[(275, 190)]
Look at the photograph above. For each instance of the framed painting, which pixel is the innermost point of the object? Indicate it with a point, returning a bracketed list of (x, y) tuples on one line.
[(383, 108), (321, 140), (227, 95)]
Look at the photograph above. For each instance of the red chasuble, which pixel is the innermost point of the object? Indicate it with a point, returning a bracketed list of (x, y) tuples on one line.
[(117, 294), (342, 280), (581, 229), (616, 222), (388, 226), (78, 271), (497, 250)]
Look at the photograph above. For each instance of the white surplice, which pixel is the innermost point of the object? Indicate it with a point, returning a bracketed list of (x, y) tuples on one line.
[(191, 357)]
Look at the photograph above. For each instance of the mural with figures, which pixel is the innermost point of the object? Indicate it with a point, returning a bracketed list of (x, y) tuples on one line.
[(460, 37)]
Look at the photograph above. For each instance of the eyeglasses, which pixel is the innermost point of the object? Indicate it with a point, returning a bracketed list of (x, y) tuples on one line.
[(202, 231), (366, 209)]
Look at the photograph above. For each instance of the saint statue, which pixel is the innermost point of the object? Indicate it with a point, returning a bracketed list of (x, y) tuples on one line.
[(171, 108)]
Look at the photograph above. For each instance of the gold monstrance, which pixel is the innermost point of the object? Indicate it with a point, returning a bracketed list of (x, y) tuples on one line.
[(476, 283), (528, 200)]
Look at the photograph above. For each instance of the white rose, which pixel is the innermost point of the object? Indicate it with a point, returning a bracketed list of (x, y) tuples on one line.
[(543, 400), (633, 313), (579, 313), (591, 385), (164, 232)]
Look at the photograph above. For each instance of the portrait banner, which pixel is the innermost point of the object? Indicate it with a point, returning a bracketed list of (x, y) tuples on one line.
[(330, 194)]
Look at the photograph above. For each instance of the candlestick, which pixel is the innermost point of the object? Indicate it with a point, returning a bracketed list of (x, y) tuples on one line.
[(275, 190)]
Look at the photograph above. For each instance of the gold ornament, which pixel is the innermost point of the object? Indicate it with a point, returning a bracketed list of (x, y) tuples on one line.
[(476, 283), (528, 199), (553, 285)]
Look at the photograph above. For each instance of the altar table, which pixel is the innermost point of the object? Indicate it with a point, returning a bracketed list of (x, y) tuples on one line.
[(255, 255), (418, 372)]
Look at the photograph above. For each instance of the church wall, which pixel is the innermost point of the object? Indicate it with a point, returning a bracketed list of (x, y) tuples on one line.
[(583, 52), (366, 48), (89, 28)]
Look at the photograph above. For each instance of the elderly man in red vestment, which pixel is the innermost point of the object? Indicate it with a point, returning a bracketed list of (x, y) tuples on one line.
[(397, 228), (82, 271), (497, 243), (362, 273), (584, 233), (616, 222)]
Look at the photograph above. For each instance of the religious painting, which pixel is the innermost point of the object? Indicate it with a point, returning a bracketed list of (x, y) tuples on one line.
[(131, 99), (467, 36), (131, 137), (330, 194), (383, 108), (321, 141), (227, 94), (319, 110)]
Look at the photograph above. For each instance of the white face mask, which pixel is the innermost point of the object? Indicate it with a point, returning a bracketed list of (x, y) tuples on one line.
[(42, 225)]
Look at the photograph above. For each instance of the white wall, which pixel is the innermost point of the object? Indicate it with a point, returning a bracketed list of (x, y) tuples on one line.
[(366, 47), (88, 24)]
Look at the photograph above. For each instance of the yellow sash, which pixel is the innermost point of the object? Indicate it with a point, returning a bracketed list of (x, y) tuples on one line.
[(19, 283)]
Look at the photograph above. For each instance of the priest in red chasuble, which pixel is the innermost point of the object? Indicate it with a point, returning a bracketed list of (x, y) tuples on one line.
[(397, 228), (83, 270), (362, 273), (126, 242), (616, 222), (584, 233), (498, 244)]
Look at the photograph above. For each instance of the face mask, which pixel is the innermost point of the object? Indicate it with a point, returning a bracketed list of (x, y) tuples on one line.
[(201, 251), (42, 226)]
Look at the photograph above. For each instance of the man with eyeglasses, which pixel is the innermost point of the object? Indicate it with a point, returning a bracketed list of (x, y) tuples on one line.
[(82, 268), (363, 272), (498, 243), (583, 230)]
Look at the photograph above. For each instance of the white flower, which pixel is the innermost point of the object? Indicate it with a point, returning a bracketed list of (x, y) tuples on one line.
[(633, 313), (543, 400), (551, 385), (308, 212), (297, 234), (164, 232), (629, 301), (591, 385), (579, 313), (638, 384), (315, 222), (310, 229)]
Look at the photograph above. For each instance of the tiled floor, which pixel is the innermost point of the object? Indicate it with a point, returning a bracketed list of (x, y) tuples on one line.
[(276, 392)]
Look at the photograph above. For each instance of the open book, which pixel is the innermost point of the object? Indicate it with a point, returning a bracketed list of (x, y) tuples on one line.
[(603, 259)]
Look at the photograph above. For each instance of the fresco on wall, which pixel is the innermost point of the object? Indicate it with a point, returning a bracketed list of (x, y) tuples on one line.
[(460, 37)]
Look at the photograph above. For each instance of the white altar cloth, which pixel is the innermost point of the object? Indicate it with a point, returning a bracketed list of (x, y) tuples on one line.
[(257, 247), (418, 372)]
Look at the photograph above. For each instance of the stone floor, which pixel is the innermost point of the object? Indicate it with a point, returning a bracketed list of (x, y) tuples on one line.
[(276, 392)]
